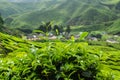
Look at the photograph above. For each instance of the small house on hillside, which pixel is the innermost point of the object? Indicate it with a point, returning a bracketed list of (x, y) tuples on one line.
[(33, 37), (112, 41)]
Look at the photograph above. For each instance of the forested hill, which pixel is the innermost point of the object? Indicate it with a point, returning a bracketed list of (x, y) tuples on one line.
[(91, 14)]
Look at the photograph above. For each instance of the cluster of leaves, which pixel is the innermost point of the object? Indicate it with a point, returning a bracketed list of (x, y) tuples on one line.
[(51, 60), (46, 61), (10, 43)]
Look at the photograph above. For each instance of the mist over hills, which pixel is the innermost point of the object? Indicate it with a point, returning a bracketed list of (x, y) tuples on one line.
[(11, 7), (24, 0), (91, 14)]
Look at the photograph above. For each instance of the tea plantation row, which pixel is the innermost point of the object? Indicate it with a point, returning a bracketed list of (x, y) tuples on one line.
[(27, 60)]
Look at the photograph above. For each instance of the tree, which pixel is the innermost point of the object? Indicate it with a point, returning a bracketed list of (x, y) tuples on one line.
[(1, 21), (56, 29), (68, 29), (42, 28), (61, 29), (46, 27)]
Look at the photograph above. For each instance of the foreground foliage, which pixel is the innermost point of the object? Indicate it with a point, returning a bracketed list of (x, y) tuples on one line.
[(56, 60)]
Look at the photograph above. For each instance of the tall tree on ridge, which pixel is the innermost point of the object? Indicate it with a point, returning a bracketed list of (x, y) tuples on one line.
[(1, 24), (1, 21)]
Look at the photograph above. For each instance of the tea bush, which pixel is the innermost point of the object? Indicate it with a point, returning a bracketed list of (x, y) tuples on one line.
[(26, 60), (50, 62)]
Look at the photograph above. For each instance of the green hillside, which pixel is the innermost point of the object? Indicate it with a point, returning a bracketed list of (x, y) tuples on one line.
[(7, 9), (61, 13), (12, 8), (90, 14), (115, 27), (23, 59), (59, 40)]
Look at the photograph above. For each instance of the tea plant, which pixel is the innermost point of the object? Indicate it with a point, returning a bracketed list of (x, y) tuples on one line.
[(26, 60), (51, 61)]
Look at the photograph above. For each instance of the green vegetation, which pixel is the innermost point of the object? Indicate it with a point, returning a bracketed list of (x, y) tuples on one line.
[(1, 21), (61, 40), (22, 59), (114, 28), (1, 24), (97, 15)]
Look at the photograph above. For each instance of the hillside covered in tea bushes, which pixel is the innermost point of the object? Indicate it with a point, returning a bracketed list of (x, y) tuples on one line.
[(91, 15), (59, 40), (22, 59)]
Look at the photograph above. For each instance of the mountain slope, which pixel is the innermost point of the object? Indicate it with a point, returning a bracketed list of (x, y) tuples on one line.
[(93, 15), (11, 7), (43, 9), (7, 9), (115, 27), (60, 12)]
